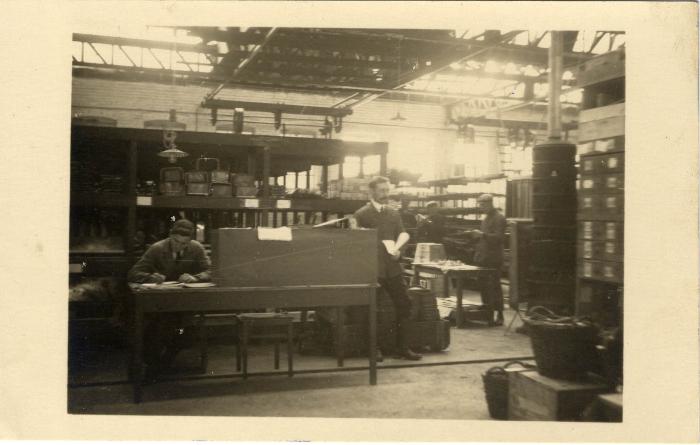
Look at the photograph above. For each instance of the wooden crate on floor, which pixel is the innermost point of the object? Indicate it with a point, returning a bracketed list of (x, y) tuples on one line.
[(536, 397)]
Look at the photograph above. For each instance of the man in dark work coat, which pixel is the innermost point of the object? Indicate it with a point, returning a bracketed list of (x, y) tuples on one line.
[(378, 215), (489, 253), (176, 258), (430, 228)]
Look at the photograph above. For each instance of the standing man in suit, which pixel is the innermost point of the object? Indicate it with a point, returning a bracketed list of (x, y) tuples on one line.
[(378, 215)]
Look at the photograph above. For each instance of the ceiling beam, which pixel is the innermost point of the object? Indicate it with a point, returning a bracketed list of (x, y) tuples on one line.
[(129, 73), (242, 66), (446, 59), (378, 43), (272, 108), (346, 59), (143, 43), (463, 75)]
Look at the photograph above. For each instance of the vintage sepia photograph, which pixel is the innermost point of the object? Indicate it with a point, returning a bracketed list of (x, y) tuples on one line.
[(350, 221), (388, 223)]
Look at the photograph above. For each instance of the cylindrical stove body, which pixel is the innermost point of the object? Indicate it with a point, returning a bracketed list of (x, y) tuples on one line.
[(553, 263)]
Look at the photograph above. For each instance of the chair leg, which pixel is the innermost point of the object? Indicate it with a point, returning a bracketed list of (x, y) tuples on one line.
[(238, 355), (244, 346), (302, 331), (277, 354), (203, 344), (290, 350)]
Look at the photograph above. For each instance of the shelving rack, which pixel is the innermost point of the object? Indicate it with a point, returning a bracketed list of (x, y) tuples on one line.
[(601, 151), (265, 157)]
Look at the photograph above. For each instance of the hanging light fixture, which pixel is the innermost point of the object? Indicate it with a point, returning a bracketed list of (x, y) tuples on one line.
[(398, 116), (170, 149), (169, 127)]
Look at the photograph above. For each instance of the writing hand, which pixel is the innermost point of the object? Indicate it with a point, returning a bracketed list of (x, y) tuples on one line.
[(158, 278), (186, 278)]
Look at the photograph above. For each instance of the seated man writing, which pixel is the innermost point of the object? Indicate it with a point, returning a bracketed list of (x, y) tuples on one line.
[(176, 258)]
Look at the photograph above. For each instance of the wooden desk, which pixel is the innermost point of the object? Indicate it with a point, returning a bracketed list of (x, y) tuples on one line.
[(248, 298), (460, 272)]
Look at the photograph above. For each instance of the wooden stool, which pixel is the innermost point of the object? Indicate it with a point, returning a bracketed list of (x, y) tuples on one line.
[(250, 321)]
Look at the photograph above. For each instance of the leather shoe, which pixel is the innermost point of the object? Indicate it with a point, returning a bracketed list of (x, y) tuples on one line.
[(499, 319), (407, 354), (380, 357)]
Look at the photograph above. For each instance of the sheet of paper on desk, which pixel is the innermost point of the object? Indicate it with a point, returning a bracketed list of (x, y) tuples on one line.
[(164, 285), (390, 245), (278, 234)]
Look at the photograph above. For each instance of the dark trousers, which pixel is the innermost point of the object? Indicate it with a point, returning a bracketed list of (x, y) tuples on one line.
[(395, 287), (162, 336), (490, 285)]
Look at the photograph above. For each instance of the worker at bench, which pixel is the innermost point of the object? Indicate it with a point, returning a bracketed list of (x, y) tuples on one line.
[(176, 258)]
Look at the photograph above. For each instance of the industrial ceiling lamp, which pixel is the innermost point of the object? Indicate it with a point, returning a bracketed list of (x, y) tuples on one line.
[(170, 151), (398, 116), (169, 127)]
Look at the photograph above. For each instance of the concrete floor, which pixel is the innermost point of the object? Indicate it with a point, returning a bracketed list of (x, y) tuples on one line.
[(435, 389)]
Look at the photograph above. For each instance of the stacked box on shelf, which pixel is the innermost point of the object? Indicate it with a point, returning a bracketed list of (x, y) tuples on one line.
[(172, 181), (197, 183), (244, 186), (111, 184), (221, 186), (349, 188), (277, 191)]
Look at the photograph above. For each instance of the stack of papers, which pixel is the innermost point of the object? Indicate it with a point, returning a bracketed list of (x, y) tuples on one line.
[(163, 285)]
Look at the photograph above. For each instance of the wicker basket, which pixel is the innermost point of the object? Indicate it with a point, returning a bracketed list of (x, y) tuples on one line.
[(496, 389), (564, 347)]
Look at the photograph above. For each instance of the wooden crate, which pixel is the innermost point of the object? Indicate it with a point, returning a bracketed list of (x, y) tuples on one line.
[(611, 407), (536, 397), (607, 66), (600, 113), (601, 129)]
